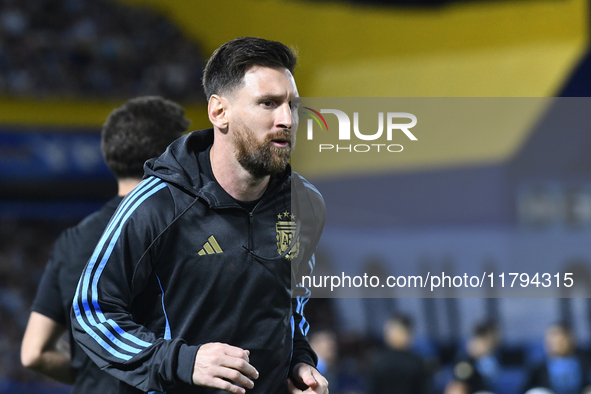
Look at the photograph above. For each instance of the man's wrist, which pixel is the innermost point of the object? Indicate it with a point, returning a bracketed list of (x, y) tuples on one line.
[(293, 368), (302, 357), (186, 362)]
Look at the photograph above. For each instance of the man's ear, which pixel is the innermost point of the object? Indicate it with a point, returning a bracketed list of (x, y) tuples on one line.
[(216, 109)]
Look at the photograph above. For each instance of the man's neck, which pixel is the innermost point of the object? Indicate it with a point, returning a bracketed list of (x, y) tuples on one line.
[(233, 178), (126, 185)]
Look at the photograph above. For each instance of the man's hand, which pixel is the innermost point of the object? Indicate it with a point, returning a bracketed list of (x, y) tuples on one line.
[(219, 364), (306, 375)]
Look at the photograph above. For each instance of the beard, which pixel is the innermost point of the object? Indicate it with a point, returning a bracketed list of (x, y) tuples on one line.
[(262, 159)]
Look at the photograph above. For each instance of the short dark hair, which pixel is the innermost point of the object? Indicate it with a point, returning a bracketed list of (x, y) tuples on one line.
[(140, 129), (486, 328), (402, 319), (565, 327), (228, 64)]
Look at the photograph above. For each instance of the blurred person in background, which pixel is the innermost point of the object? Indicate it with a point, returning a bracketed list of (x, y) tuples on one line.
[(564, 371), (479, 369), (396, 369), (133, 133), (456, 386), (324, 343)]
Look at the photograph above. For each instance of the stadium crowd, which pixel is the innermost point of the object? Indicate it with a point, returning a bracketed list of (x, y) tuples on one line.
[(397, 362), (24, 250), (96, 49)]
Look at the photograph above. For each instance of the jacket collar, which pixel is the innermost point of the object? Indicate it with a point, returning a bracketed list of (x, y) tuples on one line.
[(179, 165)]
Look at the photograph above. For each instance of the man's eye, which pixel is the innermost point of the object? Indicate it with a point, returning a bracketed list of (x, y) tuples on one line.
[(267, 103)]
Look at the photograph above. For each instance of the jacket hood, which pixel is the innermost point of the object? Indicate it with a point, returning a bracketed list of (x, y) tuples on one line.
[(179, 164)]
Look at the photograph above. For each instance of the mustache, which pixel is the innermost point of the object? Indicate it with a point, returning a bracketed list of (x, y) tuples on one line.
[(286, 135)]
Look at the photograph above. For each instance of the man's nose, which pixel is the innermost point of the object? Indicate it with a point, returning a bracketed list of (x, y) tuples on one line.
[(284, 116)]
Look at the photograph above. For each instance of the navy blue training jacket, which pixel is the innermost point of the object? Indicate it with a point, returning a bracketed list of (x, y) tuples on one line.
[(182, 264)]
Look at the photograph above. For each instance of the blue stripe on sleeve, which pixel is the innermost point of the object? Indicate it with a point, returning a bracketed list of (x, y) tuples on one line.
[(167, 333), (144, 190), (94, 335), (117, 215), (106, 257), (114, 220), (304, 326)]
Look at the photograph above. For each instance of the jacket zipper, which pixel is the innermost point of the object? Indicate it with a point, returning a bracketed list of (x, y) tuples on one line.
[(250, 231), (251, 226)]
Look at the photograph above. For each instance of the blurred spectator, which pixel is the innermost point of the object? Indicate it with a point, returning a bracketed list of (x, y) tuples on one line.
[(481, 368), (24, 247), (324, 343), (457, 387), (564, 371), (396, 369), (94, 48)]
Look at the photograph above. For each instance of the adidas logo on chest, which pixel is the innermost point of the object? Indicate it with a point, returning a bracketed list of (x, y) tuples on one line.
[(210, 247)]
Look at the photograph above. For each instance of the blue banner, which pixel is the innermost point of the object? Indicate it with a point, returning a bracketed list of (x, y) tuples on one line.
[(51, 155)]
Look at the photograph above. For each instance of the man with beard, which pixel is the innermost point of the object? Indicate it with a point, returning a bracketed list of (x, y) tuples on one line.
[(190, 288)]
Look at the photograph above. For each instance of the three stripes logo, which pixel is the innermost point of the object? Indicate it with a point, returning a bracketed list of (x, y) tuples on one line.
[(210, 247)]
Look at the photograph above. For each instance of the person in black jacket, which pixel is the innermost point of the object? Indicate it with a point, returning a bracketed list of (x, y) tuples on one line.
[(133, 133), (396, 369), (190, 288), (479, 367), (564, 371)]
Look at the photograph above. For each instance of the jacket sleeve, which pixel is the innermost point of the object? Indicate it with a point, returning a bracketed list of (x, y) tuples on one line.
[(117, 271), (315, 218)]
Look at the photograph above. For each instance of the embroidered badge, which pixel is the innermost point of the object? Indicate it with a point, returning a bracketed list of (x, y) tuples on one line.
[(286, 229)]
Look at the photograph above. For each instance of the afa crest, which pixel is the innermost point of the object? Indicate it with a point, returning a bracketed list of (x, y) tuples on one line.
[(286, 230)]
